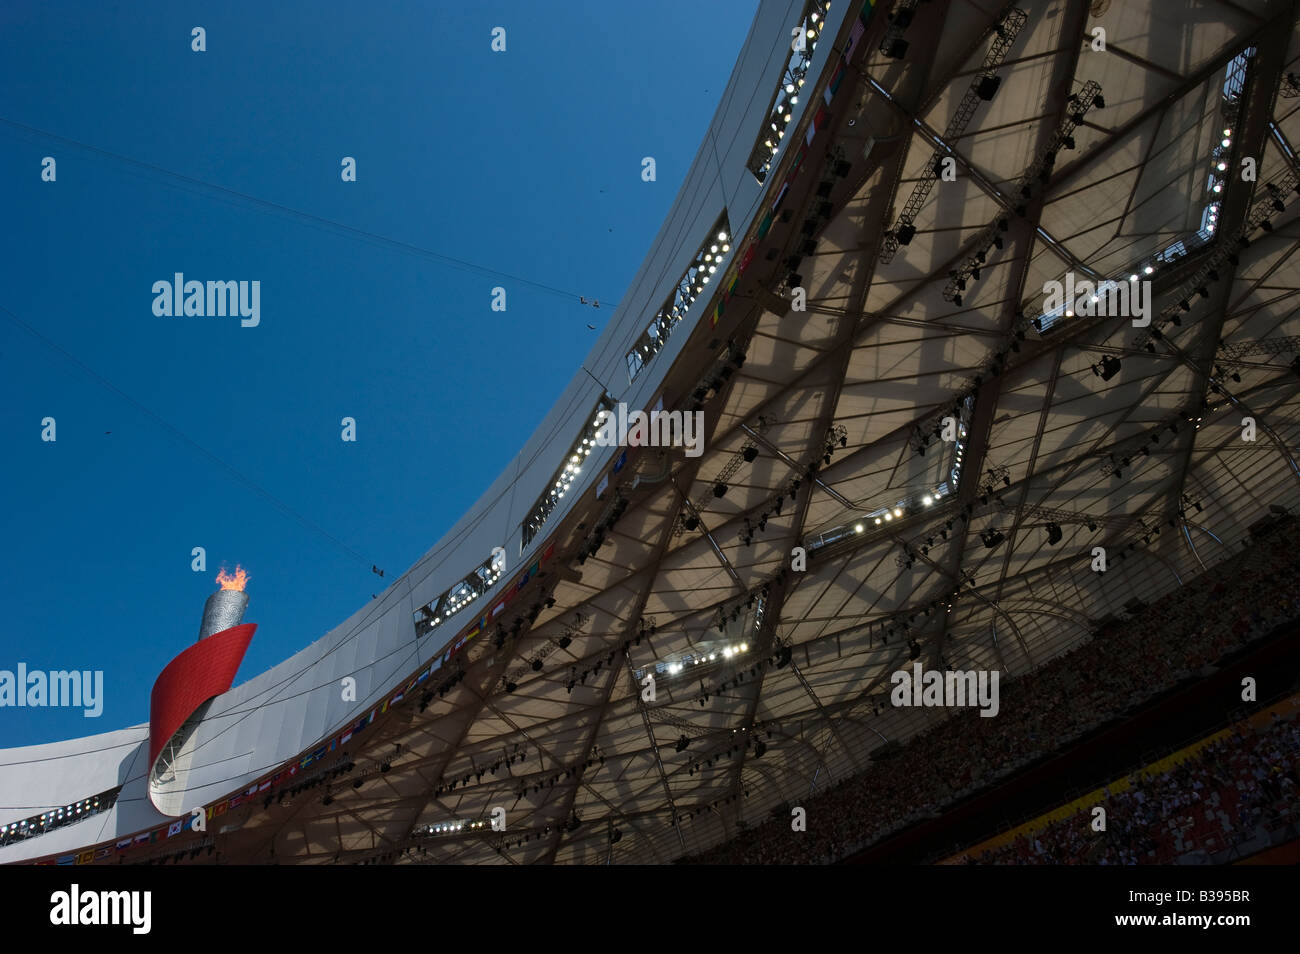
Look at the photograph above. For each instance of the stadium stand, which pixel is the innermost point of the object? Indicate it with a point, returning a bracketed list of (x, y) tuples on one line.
[(1234, 796)]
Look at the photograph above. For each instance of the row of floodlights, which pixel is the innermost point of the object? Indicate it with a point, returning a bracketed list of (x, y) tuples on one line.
[(783, 119), (788, 92), (456, 603), (1220, 170), (727, 652), (786, 111), (1212, 219), (573, 466), (1220, 167), (929, 500), (447, 827), (688, 287), (54, 816), (710, 265)]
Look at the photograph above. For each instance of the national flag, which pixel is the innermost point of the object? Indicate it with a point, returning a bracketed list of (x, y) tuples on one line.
[(175, 828), (834, 86), (343, 740), (602, 486), (66, 860), (548, 552), (123, 844), (269, 782), (499, 608), (423, 676), (86, 857), (859, 29), (237, 800), (618, 464), (398, 698), (141, 838), (103, 852)]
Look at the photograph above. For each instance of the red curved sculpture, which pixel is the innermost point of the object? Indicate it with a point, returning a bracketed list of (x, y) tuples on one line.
[(204, 670)]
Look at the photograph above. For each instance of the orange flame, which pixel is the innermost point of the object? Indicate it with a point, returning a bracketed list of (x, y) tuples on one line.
[(236, 581)]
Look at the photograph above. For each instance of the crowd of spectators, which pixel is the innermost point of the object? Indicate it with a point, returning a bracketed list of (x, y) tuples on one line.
[(1124, 664), (1231, 792)]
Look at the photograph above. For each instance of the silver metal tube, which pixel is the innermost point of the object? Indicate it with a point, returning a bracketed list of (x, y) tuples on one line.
[(224, 609)]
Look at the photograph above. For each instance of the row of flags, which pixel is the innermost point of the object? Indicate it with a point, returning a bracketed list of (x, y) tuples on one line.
[(819, 121), (289, 772)]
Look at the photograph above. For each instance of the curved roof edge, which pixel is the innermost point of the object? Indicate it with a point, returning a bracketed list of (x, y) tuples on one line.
[(261, 724)]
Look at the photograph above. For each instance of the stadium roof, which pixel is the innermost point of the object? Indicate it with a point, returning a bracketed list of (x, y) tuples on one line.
[(1108, 432)]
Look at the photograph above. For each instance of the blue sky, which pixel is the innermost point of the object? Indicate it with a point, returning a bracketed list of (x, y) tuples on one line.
[(526, 162)]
